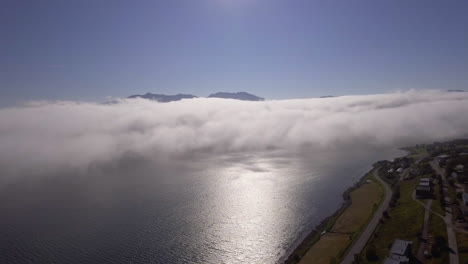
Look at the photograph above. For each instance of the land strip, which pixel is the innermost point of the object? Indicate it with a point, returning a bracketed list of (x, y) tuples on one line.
[(425, 231), (366, 234), (331, 246), (404, 220)]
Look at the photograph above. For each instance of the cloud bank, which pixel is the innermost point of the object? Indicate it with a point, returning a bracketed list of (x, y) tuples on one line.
[(49, 135)]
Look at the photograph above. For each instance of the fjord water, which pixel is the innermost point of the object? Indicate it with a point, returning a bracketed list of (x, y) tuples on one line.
[(234, 208)]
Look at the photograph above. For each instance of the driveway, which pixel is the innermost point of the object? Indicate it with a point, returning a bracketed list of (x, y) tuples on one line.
[(425, 231)]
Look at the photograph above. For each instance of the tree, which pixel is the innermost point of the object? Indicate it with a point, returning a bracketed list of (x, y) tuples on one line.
[(371, 253), (357, 259), (440, 244), (385, 214)]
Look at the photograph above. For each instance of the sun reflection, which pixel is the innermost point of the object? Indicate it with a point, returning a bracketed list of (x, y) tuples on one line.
[(249, 222)]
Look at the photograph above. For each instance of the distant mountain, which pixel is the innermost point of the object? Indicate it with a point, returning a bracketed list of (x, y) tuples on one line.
[(239, 96), (327, 96), (163, 98), (169, 98), (456, 91)]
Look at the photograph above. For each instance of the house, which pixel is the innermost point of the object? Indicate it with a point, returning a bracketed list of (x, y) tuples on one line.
[(423, 192), (425, 184), (399, 253), (465, 199), (459, 168), (442, 160), (393, 261), (442, 157), (424, 189), (401, 247), (464, 207)]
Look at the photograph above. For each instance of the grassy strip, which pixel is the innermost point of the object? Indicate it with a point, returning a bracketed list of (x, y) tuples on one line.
[(325, 250), (462, 242), (314, 236), (348, 224), (405, 222), (358, 232), (437, 228), (358, 212), (328, 223), (436, 205), (417, 152)]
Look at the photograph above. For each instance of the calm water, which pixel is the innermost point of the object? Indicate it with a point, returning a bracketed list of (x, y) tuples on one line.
[(238, 208)]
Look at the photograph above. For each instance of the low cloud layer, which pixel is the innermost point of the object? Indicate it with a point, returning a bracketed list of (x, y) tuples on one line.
[(45, 136)]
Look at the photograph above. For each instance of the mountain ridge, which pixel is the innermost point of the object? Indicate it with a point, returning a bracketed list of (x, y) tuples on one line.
[(163, 98), (239, 96)]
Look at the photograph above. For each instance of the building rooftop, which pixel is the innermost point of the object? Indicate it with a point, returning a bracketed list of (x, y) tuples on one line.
[(391, 261), (399, 258), (423, 188), (465, 197), (424, 184), (399, 247)]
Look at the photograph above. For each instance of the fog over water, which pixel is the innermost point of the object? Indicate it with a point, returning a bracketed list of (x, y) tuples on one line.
[(195, 181)]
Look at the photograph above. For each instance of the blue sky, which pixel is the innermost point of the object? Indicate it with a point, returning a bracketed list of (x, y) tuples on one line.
[(87, 50)]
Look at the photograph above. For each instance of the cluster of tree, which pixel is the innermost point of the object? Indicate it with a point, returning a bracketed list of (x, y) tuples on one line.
[(441, 191), (425, 168), (451, 148), (395, 196), (439, 246), (371, 253), (453, 162)]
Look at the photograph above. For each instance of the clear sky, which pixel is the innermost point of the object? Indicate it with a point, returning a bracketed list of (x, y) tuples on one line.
[(90, 49)]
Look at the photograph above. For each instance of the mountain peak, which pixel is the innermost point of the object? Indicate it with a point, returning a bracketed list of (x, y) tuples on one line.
[(239, 96), (163, 98)]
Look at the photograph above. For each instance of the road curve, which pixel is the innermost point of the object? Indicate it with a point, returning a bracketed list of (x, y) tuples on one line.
[(357, 247)]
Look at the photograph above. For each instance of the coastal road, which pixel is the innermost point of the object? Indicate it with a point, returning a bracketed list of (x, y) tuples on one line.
[(452, 239), (357, 247)]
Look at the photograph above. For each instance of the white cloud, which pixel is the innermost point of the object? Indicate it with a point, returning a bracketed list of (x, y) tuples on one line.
[(44, 135)]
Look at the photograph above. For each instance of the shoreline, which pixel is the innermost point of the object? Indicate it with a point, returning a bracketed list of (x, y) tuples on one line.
[(313, 236)]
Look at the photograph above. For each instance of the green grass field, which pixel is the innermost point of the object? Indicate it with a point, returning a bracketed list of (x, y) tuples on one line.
[(462, 243), (326, 249), (418, 152), (437, 228), (364, 200), (405, 222)]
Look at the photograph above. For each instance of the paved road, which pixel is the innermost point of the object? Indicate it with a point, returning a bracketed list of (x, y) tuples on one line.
[(452, 240), (454, 227), (425, 230), (357, 247)]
